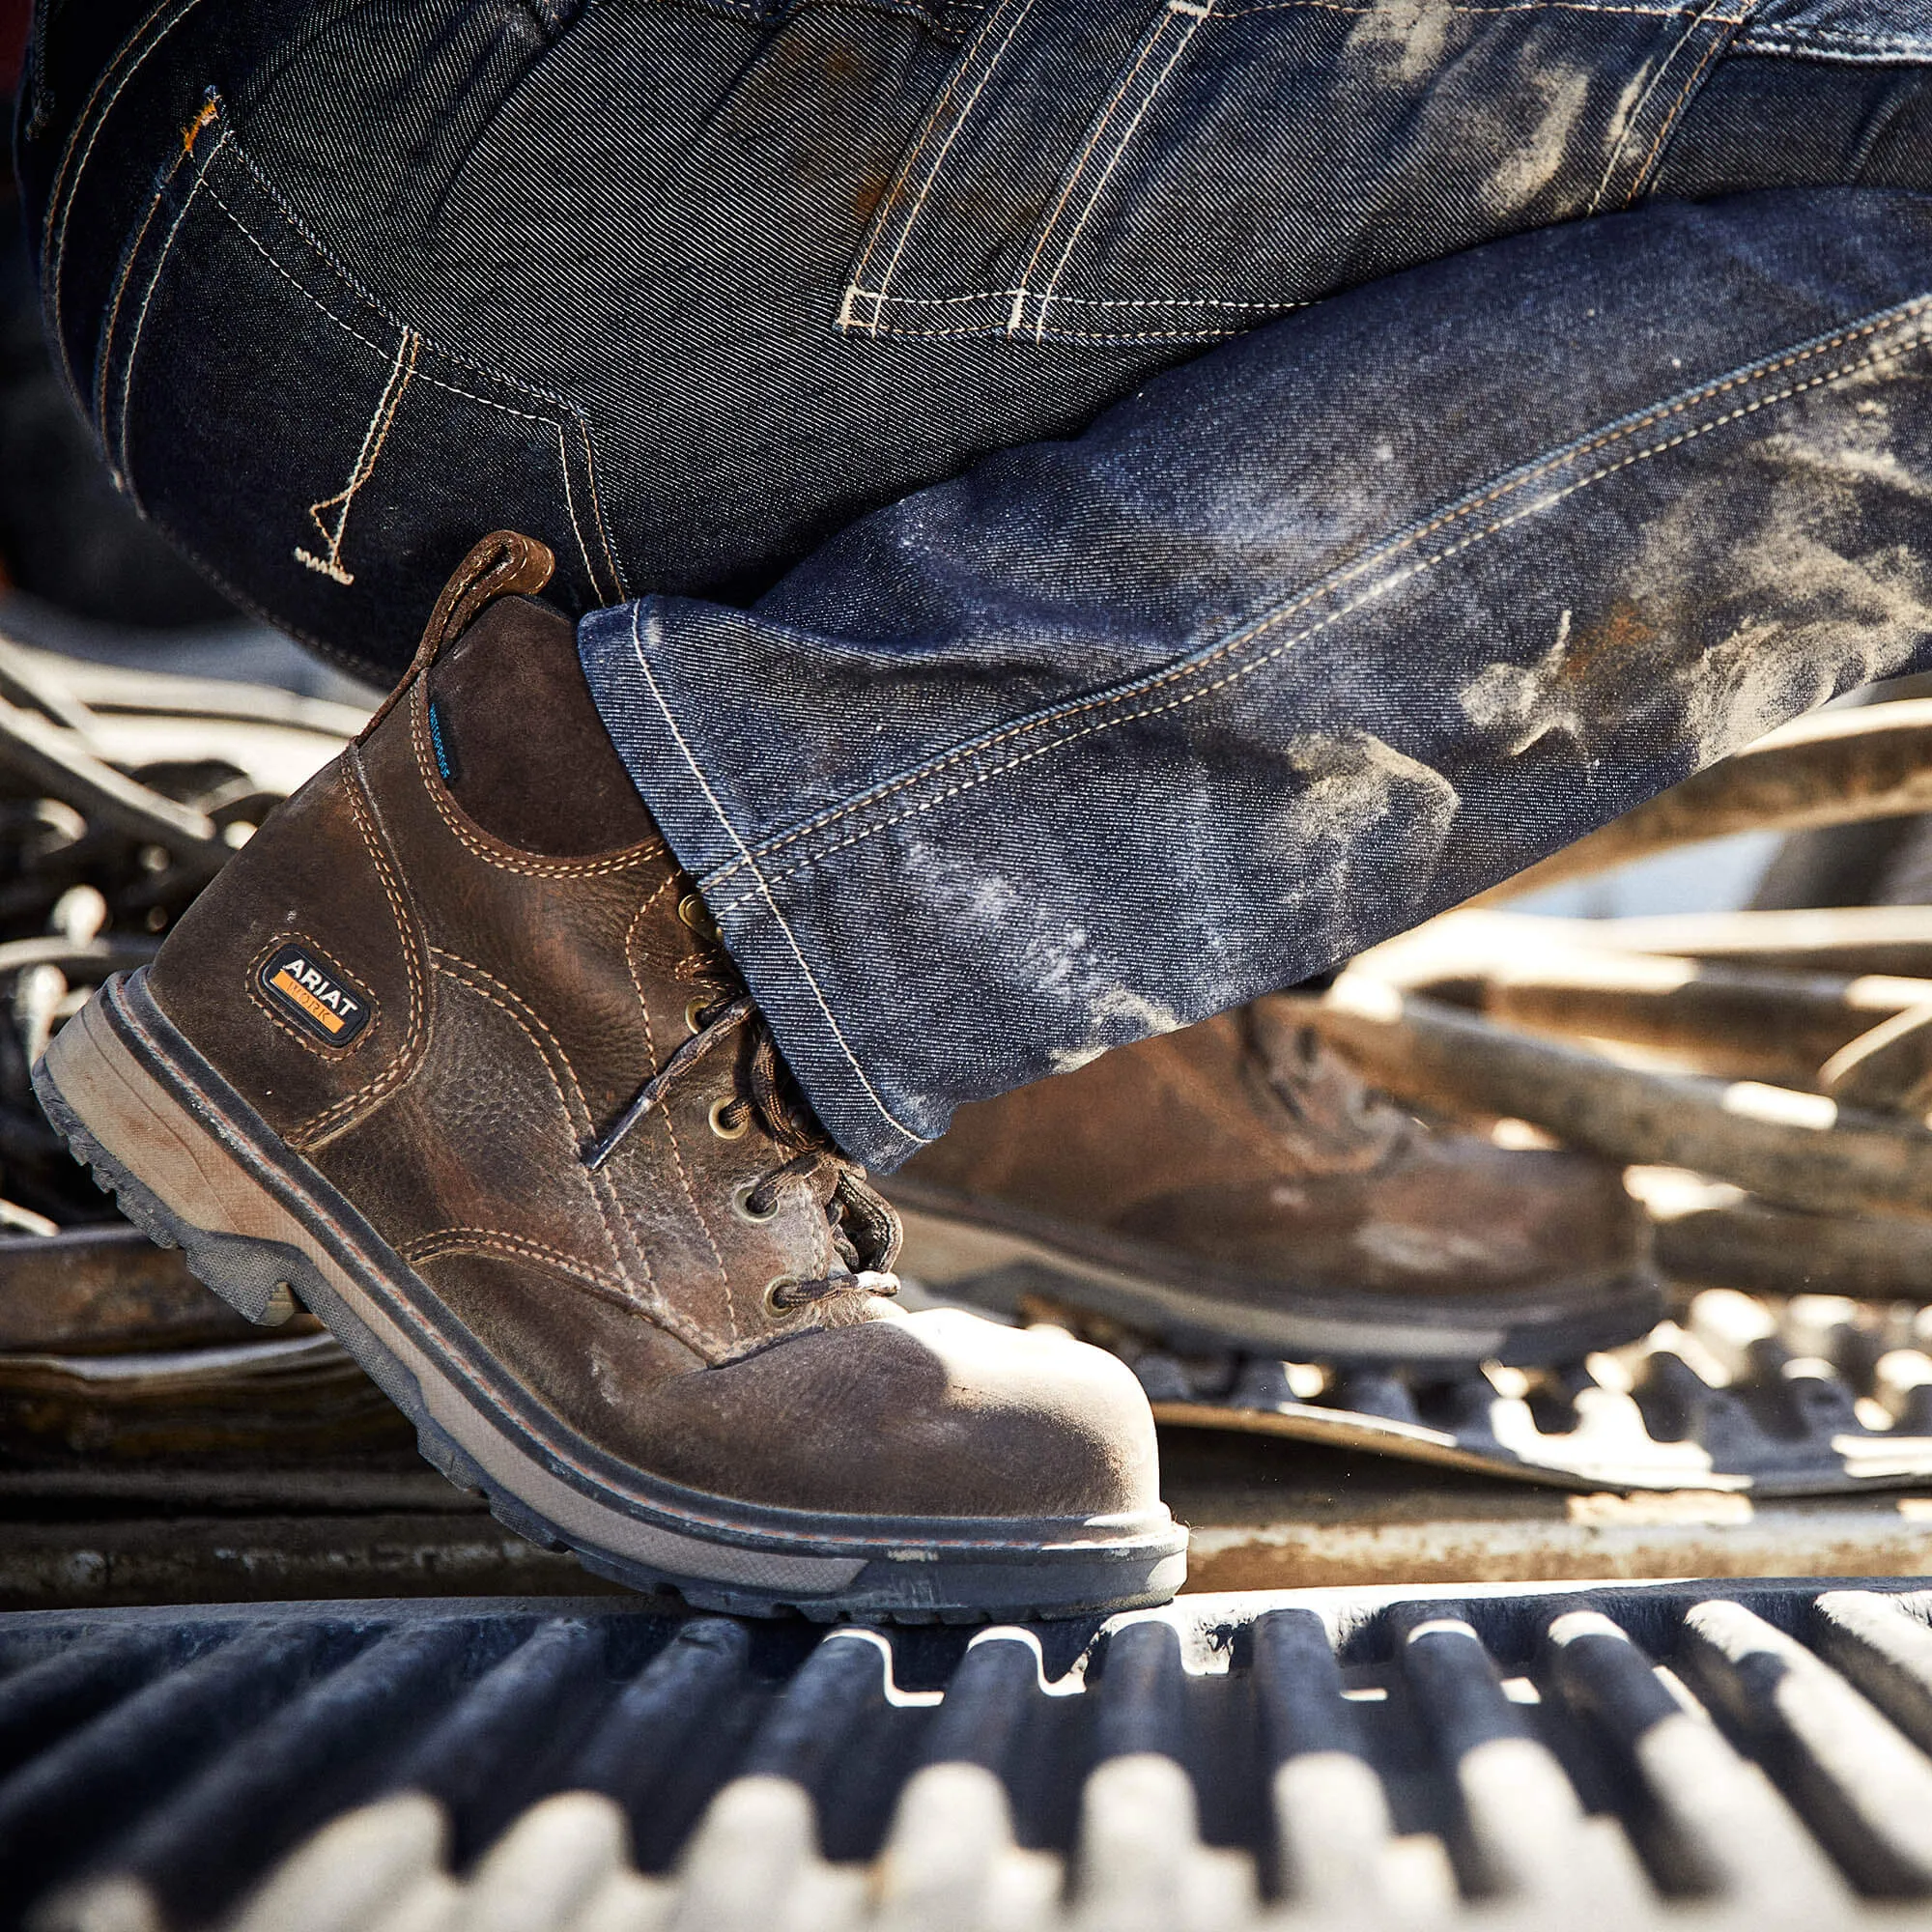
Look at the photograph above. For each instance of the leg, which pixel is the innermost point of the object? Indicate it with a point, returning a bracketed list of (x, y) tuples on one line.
[(1319, 635), (684, 290)]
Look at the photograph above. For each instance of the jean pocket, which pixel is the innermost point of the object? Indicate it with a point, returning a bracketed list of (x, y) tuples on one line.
[(1237, 158), (314, 450)]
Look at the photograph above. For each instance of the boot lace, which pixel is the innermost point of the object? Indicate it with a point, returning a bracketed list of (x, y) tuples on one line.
[(1333, 1119), (865, 1232)]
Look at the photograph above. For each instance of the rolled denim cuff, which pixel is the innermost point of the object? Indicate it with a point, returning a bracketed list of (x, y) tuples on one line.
[(1330, 629), (635, 658)]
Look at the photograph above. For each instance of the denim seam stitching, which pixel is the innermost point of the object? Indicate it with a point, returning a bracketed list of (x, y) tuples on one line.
[(140, 326), (1115, 335), (1568, 453), (435, 349), (388, 406), (955, 123), (1193, 15), (718, 812), (1691, 26), (112, 321), (135, 349), (1151, 41), (368, 297), (1714, 48), (1897, 51), (66, 189), (1798, 30), (1518, 481), (1665, 13), (1375, 591), (1084, 301), (878, 324)]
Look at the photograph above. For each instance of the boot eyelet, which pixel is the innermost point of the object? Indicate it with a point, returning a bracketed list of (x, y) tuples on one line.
[(723, 1128), (697, 914), (777, 1302), (694, 1014), (741, 1204)]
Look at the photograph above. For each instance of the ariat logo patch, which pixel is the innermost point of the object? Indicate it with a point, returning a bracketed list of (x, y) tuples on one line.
[(303, 984)]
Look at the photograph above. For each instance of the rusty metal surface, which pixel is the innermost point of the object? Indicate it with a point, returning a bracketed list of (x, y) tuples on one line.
[(1799, 1149), (1715, 1755), (1835, 767), (120, 793), (1264, 1513), (91, 1291), (1859, 1256)]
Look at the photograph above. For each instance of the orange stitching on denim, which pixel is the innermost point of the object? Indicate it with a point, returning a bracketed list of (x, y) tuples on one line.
[(597, 513), (1570, 454), (1715, 46), (1375, 591), (1706, 14), (387, 403), (65, 191), (121, 287), (134, 343)]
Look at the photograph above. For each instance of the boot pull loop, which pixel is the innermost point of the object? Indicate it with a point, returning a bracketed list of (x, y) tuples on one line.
[(505, 563)]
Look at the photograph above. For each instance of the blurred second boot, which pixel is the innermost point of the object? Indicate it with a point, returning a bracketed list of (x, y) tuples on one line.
[(1238, 1184)]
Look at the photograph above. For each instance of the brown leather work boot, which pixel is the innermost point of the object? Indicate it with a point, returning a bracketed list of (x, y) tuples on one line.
[(1237, 1185), (450, 1054)]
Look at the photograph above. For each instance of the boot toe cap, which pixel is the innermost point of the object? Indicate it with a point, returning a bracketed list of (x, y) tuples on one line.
[(938, 1414)]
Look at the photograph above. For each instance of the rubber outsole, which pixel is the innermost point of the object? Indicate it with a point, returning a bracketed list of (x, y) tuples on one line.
[(955, 1248), (120, 1074)]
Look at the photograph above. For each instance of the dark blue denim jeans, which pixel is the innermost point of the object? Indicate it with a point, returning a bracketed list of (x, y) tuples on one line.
[(1550, 415)]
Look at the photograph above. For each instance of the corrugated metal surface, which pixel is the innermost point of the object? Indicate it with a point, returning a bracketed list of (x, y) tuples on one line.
[(1744, 1755)]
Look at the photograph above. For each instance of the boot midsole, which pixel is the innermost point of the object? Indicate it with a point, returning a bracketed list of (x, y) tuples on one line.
[(952, 1240)]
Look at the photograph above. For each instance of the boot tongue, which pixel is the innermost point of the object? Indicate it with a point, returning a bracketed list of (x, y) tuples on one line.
[(1330, 1118)]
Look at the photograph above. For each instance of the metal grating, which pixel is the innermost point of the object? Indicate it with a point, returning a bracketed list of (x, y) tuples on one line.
[(1751, 1756), (1812, 1396)]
